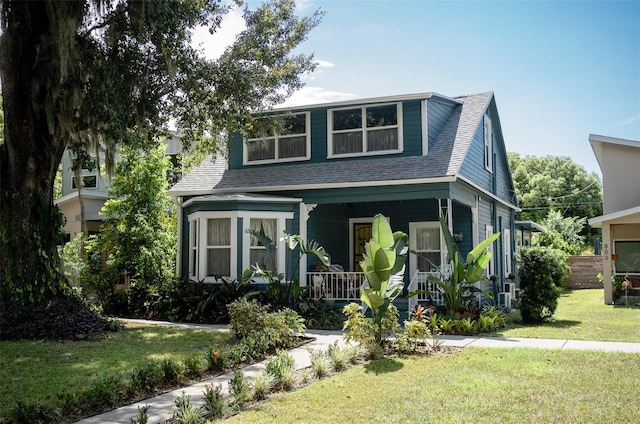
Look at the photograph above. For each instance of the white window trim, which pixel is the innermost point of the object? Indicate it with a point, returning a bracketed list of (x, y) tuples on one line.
[(201, 250), (307, 134), (281, 250), (488, 144), (488, 230), (506, 243), (413, 227), (363, 128), (199, 219)]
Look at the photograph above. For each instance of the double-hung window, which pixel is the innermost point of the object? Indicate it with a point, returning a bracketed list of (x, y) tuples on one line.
[(425, 241), (218, 247), (258, 251), (366, 130), (286, 140)]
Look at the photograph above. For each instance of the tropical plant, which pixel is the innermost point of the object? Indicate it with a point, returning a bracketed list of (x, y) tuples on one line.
[(284, 288), (383, 266), (458, 287)]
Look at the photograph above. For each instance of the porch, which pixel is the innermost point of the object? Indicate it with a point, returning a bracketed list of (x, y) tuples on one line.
[(345, 287)]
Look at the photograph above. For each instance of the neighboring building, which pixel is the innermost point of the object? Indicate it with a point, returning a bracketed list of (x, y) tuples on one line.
[(94, 192), (618, 159), (413, 158)]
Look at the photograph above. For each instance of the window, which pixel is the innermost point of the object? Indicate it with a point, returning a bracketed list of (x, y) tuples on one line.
[(488, 230), (424, 239), (488, 144), (366, 130), (193, 247), (88, 171), (215, 238), (288, 141), (258, 252), (218, 247), (506, 243)]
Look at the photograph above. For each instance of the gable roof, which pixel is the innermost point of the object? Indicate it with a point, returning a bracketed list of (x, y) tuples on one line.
[(442, 163)]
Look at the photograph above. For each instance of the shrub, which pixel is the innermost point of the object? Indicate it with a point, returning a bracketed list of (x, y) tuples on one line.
[(360, 329), (262, 384), (542, 275), (146, 377), (213, 404), (320, 363), (172, 370), (195, 364), (238, 388), (281, 368), (338, 356), (264, 330), (218, 359)]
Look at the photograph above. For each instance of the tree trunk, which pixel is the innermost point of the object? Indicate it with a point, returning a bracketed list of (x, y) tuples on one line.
[(34, 91)]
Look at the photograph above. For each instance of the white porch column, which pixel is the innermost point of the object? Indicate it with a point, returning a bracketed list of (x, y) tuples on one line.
[(305, 210), (607, 269)]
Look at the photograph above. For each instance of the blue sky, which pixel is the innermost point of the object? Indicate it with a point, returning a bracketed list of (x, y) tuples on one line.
[(559, 70)]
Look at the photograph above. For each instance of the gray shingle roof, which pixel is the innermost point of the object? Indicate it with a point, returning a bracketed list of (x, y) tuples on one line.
[(444, 160)]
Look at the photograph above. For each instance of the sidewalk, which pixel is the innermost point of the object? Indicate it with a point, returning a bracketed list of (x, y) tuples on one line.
[(162, 407)]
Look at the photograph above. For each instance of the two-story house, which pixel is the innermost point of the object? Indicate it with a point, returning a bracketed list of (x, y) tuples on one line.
[(93, 191), (332, 167), (618, 159)]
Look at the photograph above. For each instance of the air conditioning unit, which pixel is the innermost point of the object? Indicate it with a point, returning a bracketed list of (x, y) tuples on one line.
[(504, 299)]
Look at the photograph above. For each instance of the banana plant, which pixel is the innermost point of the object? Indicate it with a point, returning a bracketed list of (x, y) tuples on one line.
[(463, 273), (383, 265)]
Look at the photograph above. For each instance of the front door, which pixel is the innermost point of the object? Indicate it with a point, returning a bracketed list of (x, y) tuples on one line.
[(361, 234)]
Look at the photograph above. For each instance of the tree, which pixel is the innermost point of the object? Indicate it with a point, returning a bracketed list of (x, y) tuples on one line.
[(552, 182), (139, 232), (561, 233), (98, 74)]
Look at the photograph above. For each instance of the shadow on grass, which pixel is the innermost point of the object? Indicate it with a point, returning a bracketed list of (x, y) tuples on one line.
[(383, 366)]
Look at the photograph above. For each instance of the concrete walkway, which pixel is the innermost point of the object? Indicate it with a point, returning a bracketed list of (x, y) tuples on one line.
[(162, 407)]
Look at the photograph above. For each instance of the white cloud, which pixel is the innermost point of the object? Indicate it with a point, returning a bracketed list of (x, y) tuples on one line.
[(314, 95), (215, 44), (324, 64)]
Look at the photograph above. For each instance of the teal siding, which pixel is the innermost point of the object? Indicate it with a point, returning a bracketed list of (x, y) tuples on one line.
[(462, 223), (437, 116), (235, 151), (329, 225), (372, 194), (473, 164), (412, 128), (318, 135)]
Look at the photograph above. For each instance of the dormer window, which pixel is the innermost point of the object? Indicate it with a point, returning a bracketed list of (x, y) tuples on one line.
[(366, 130), (287, 141)]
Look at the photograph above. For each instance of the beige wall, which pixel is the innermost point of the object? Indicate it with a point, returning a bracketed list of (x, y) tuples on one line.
[(621, 175), (71, 211)]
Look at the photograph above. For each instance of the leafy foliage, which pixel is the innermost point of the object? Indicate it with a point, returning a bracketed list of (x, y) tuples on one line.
[(542, 274), (139, 233), (554, 183), (107, 74), (561, 233), (458, 289), (383, 266)]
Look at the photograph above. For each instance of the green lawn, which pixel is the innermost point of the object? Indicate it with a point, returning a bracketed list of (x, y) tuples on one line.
[(472, 386), (582, 315), (42, 370)]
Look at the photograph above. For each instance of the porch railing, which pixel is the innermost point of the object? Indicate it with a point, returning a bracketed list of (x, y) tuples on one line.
[(431, 291), (343, 286)]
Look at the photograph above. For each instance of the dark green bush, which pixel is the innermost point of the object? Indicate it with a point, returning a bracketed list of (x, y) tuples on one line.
[(262, 330), (542, 274)]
